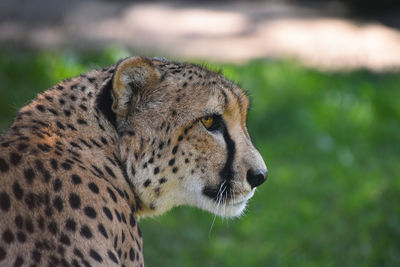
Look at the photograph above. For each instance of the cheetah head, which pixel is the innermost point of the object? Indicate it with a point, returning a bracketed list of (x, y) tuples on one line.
[(183, 137)]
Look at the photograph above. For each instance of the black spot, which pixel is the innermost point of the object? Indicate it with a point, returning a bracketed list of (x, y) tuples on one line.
[(53, 228), (83, 107), (60, 125), (171, 162), (76, 179), (44, 147), (65, 240), (90, 212), (15, 158), (86, 232), (74, 201), (95, 143), (54, 164), (109, 171), (17, 190), (163, 180), (53, 111), (112, 257), (103, 140), (40, 108), (36, 256), (57, 184), (108, 213), (123, 219), (78, 253), (132, 220), (112, 195), (58, 204), (49, 98), (21, 147), (61, 251), (41, 223), (98, 171), (95, 256), (70, 225), (66, 166), (115, 241), (93, 187), (156, 170), (5, 202), (3, 254), (102, 230), (81, 121), (161, 145), (71, 127), (29, 225), (175, 149), (132, 254), (21, 237), (117, 215), (48, 211), (139, 232), (19, 221), (8, 236), (147, 183), (175, 169), (5, 144), (18, 262), (75, 145), (3, 165), (67, 112)]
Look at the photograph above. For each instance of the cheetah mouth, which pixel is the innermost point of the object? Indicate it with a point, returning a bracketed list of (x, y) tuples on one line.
[(236, 204), (242, 201)]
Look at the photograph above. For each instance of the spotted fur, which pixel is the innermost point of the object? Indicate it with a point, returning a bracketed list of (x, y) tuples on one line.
[(87, 158)]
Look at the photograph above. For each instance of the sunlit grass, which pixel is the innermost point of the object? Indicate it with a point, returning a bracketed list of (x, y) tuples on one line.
[(332, 145)]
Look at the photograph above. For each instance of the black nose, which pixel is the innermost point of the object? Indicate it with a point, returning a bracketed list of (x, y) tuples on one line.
[(256, 177)]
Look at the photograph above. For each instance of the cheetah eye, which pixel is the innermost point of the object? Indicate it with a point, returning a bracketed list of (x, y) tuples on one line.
[(211, 123)]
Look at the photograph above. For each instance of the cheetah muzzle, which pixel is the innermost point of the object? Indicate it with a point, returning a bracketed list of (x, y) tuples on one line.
[(87, 158)]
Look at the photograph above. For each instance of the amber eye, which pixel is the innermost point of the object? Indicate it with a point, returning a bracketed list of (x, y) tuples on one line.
[(207, 122)]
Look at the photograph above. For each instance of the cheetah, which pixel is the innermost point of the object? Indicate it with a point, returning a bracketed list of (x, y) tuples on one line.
[(86, 159)]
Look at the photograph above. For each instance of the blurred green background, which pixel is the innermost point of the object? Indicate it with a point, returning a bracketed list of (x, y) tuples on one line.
[(331, 141)]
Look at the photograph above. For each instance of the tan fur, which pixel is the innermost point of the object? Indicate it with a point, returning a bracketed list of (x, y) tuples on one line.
[(75, 178)]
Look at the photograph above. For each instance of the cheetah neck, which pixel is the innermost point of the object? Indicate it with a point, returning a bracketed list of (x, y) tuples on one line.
[(74, 121)]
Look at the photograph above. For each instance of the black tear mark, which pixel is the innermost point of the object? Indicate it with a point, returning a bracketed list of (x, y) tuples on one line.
[(226, 174)]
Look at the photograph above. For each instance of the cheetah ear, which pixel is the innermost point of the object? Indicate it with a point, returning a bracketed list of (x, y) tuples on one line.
[(132, 78)]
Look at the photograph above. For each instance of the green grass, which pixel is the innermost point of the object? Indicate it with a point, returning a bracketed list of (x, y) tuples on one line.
[(332, 145)]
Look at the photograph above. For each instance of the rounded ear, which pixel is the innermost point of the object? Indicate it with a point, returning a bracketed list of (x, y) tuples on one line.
[(131, 79)]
